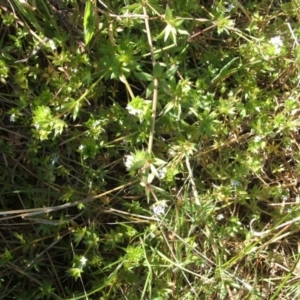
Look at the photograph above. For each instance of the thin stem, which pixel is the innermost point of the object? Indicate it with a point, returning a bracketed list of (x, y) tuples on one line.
[(155, 82)]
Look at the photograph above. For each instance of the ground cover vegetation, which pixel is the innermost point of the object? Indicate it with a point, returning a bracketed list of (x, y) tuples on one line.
[(149, 149)]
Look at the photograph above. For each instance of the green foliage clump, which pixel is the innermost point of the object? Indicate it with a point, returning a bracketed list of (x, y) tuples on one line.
[(149, 150)]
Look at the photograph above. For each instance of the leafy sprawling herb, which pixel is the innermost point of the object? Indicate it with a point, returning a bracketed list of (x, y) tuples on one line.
[(149, 150)]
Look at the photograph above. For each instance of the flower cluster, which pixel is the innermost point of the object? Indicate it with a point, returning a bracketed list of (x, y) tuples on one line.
[(128, 161), (277, 43), (140, 108), (82, 261), (159, 208)]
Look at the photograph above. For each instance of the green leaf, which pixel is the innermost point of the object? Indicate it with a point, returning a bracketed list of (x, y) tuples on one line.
[(170, 29), (171, 72), (5, 257), (138, 164), (75, 272), (168, 13), (58, 126), (79, 235), (144, 76), (91, 239), (225, 72), (168, 107), (89, 23), (150, 89), (45, 123), (157, 71)]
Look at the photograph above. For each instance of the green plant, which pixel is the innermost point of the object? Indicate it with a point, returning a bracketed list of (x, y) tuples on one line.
[(149, 150)]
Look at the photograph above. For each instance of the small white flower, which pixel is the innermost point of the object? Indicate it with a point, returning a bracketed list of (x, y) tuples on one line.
[(162, 173), (54, 160), (159, 208), (12, 118), (277, 43), (220, 217), (134, 111), (52, 45), (83, 261), (128, 161), (96, 123), (235, 182), (257, 139), (230, 7), (80, 147)]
